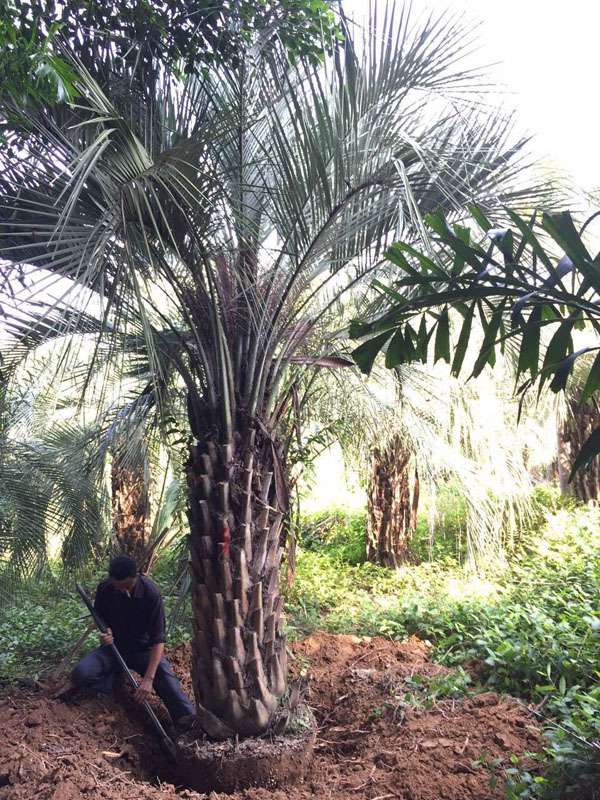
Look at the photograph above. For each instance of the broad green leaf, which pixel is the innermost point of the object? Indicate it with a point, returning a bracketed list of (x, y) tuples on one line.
[(410, 337), (392, 293), (592, 383), (475, 258), (438, 223), (487, 352), (397, 257), (504, 241), (560, 226), (358, 329), (590, 450), (564, 369), (480, 217), (463, 341), (464, 234), (561, 375), (427, 263), (388, 322), (530, 238), (523, 243), (549, 314), (395, 353), (560, 344), (366, 353), (442, 338), (423, 338), (529, 352)]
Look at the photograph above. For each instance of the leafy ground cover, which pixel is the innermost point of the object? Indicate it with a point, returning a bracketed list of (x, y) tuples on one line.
[(529, 627)]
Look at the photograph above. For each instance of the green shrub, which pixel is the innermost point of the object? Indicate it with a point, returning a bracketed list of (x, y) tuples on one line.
[(38, 632), (337, 533), (447, 541), (534, 628)]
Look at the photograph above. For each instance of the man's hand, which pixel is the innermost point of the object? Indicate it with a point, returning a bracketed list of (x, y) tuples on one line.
[(107, 638), (144, 690)]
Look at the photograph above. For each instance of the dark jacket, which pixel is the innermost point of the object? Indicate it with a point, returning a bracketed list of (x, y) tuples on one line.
[(137, 622)]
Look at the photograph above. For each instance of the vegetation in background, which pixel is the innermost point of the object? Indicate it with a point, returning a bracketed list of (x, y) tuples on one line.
[(30, 68), (339, 535), (112, 37)]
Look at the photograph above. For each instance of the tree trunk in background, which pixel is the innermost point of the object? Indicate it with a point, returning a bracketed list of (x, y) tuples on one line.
[(574, 430), (391, 510), (237, 500), (130, 510)]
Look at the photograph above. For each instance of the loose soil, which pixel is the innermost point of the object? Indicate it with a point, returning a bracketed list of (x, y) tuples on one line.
[(370, 744)]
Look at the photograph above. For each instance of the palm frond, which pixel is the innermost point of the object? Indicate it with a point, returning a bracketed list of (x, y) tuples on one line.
[(274, 190)]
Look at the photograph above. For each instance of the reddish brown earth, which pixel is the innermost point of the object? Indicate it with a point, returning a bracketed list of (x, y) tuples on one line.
[(370, 745)]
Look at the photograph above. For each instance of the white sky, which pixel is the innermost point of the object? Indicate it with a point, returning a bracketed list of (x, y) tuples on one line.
[(549, 54)]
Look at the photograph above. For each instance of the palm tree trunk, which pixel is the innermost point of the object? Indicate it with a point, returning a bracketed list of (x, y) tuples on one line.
[(391, 511), (130, 511), (580, 421), (237, 501)]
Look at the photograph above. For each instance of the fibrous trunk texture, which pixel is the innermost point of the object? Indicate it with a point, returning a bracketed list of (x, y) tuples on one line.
[(392, 508), (580, 421), (236, 510), (130, 511)]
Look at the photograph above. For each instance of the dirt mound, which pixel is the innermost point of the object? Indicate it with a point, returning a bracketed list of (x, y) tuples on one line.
[(371, 743)]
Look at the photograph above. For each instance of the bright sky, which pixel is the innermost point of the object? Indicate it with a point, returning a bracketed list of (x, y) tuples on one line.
[(549, 54)]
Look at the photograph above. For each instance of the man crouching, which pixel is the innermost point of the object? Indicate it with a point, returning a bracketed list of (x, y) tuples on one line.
[(133, 609)]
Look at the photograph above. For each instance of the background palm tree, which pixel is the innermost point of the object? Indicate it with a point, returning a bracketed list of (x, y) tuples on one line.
[(50, 494), (109, 437), (392, 504), (410, 432), (232, 209)]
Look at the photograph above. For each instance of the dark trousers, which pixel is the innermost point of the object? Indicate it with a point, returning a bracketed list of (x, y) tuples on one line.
[(97, 671)]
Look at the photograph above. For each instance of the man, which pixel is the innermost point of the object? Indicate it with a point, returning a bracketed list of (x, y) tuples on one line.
[(132, 608)]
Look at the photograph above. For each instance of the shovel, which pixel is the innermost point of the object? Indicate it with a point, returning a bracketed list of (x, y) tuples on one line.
[(166, 742)]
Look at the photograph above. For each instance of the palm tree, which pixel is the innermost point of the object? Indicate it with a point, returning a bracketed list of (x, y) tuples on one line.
[(393, 502), (577, 417), (578, 424), (104, 419), (233, 209), (49, 497), (409, 431)]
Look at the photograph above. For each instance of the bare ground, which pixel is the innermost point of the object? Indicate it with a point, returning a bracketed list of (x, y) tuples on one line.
[(370, 745)]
